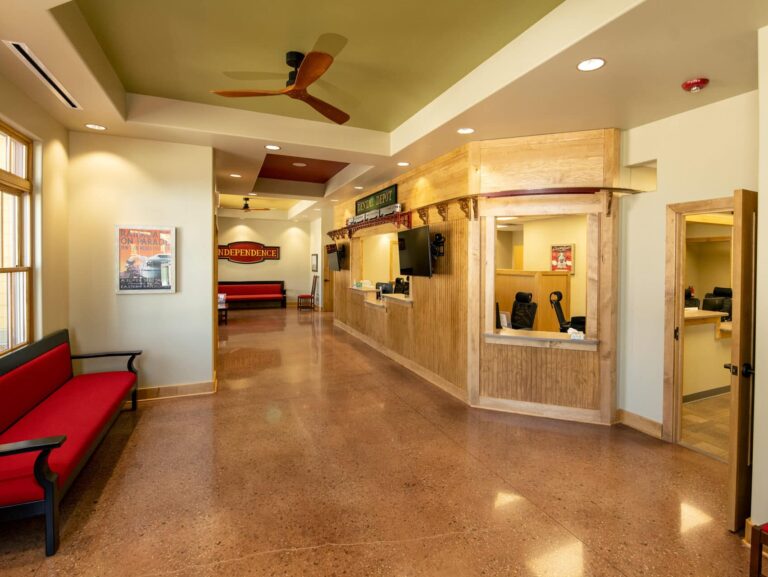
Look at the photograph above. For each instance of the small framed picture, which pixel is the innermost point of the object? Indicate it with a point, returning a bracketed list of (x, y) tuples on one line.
[(562, 257), (314, 263), (146, 259)]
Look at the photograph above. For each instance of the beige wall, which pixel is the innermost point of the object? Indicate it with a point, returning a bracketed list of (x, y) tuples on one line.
[(703, 359), (538, 238), (509, 244), (51, 157), (377, 261), (140, 182), (293, 239), (707, 265), (760, 454), (705, 153)]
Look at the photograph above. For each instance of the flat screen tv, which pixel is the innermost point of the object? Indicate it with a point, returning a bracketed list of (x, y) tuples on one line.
[(334, 260), (415, 252)]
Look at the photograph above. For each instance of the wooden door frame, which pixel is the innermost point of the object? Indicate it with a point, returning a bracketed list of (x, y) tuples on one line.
[(674, 297)]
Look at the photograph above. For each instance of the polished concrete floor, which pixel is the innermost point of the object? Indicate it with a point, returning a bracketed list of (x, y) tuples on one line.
[(706, 424), (321, 457)]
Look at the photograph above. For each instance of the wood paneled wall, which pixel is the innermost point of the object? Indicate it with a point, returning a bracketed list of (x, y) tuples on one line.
[(558, 377), (444, 178), (432, 332), (437, 334), (539, 284)]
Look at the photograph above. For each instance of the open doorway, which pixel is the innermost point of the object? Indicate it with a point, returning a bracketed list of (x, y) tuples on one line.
[(709, 340), (706, 334)]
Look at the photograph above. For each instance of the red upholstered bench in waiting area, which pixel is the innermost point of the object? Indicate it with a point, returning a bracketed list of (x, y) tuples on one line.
[(50, 423), (245, 292)]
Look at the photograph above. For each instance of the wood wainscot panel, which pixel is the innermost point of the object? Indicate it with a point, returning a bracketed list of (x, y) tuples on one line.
[(565, 378), (566, 159)]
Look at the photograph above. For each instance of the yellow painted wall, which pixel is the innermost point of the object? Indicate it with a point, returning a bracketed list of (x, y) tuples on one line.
[(538, 238), (376, 257), (703, 359)]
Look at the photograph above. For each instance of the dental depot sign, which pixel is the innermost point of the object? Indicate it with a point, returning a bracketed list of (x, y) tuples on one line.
[(246, 252)]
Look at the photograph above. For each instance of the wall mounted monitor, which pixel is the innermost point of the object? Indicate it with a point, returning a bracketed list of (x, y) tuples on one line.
[(415, 252)]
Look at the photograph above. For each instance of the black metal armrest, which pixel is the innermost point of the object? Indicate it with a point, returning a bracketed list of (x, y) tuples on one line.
[(131, 354), (43, 444)]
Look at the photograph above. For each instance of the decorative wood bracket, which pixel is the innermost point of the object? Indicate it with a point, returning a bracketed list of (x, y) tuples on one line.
[(423, 214), (442, 210), (474, 207), (466, 207)]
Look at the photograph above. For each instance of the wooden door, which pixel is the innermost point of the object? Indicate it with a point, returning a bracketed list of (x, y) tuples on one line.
[(742, 358), (327, 277)]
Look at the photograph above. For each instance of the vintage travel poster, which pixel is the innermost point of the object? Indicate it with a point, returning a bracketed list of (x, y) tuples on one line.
[(146, 257), (562, 257)]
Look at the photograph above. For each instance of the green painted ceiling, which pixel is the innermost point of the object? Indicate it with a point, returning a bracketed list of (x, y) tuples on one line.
[(400, 54)]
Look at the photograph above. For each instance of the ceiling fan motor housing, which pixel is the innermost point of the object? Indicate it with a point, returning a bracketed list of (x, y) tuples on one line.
[(294, 60)]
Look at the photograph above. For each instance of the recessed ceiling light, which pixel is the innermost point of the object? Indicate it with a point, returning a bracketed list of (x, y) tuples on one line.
[(299, 164), (95, 126), (317, 209), (403, 164), (334, 200), (359, 187), (465, 130), (591, 64), (233, 175), (506, 218), (251, 194), (272, 147)]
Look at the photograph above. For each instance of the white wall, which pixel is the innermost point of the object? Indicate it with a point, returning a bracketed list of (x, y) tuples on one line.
[(705, 153), (293, 240), (127, 181), (49, 179), (760, 454)]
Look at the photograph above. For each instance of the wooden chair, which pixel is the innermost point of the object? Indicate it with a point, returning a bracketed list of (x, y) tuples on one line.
[(759, 538), (307, 302)]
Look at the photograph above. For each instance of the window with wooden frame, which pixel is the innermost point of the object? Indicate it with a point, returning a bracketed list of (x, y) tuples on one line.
[(15, 253)]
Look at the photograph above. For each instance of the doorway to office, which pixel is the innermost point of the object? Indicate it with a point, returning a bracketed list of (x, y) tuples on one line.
[(709, 341)]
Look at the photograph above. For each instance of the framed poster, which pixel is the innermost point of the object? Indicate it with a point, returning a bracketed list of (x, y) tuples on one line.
[(146, 259), (562, 257), (314, 263)]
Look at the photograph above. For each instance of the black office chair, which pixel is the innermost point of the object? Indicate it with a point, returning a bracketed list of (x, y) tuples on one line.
[(724, 293), (523, 311), (576, 323)]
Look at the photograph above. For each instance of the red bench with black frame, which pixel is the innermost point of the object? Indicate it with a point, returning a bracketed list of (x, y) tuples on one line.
[(51, 422), (244, 292)]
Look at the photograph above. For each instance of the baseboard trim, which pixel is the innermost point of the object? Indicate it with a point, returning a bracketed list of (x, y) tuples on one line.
[(639, 423), (173, 391), (591, 416), (424, 373), (706, 394)]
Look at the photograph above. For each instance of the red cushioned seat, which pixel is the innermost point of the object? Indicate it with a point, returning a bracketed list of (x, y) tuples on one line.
[(80, 410), (305, 296)]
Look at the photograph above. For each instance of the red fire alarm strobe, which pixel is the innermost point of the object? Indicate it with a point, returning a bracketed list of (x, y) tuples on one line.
[(695, 84)]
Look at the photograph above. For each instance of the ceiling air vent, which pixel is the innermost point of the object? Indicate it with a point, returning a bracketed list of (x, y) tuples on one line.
[(25, 55)]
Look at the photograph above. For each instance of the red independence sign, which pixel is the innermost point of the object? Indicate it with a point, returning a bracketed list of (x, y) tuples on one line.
[(247, 252)]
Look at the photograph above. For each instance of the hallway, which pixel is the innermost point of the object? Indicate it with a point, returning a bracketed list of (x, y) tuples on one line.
[(321, 457)]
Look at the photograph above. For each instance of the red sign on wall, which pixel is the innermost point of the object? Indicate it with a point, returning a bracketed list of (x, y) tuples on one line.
[(247, 252)]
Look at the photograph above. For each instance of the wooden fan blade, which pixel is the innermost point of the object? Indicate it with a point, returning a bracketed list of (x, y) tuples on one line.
[(312, 67), (327, 110), (248, 93), (330, 43)]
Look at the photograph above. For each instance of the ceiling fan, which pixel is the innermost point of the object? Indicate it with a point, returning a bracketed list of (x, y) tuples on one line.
[(306, 70), (247, 208)]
